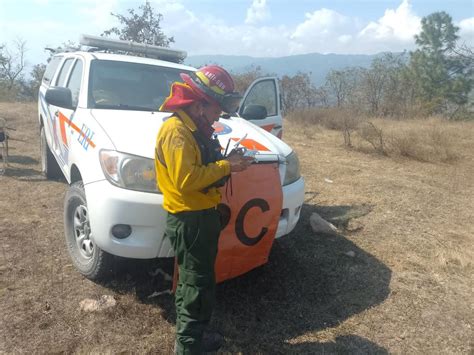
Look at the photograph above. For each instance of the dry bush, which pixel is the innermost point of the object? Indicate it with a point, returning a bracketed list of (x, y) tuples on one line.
[(305, 116), (7, 95), (432, 140), (369, 132), (330, 118), (338, 119)]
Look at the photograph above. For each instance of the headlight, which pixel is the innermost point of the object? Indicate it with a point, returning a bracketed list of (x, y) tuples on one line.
[(292, 169), (129, 171)]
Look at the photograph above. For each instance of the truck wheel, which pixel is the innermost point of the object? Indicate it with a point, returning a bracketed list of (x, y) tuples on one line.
[(87, 257), (49, 165)]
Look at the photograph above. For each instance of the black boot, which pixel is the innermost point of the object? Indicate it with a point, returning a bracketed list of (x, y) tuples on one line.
[(212, 341)]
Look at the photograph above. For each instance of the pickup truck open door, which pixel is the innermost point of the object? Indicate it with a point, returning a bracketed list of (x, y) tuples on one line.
[(261, 105)]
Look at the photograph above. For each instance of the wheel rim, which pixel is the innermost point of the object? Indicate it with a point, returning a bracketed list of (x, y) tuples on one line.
[(82, 232)]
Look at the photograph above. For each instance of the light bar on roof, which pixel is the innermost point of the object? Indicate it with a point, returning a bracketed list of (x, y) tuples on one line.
[(134, 47)]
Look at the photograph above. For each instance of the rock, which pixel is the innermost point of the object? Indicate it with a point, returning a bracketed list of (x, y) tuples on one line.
[(354, 225), (159, 271), (350, 254), (329, 181), (105, 301), (341, 215), (320, 225), (159, 293)]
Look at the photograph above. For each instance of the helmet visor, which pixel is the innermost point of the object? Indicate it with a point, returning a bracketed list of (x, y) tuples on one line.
[(230, 102)]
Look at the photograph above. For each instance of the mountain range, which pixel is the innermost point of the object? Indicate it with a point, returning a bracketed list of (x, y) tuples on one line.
[(315, 64)]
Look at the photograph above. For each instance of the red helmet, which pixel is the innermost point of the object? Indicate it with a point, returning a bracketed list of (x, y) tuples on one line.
[(215, 85)]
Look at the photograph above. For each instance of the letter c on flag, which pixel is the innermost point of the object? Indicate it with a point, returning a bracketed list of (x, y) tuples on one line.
[(239, 223)]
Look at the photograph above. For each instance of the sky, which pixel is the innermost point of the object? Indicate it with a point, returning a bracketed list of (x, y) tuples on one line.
[(258, 28)]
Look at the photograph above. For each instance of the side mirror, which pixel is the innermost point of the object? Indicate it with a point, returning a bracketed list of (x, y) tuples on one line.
[(254, 112), (58, 96)]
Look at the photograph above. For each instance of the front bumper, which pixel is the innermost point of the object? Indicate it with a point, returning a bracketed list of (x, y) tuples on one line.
[(293, 198), (109, 205)]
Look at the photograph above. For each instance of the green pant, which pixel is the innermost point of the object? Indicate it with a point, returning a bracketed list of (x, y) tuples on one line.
[(194, 236)]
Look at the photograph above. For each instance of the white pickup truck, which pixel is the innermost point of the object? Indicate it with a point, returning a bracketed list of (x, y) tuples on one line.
[(98, 118)]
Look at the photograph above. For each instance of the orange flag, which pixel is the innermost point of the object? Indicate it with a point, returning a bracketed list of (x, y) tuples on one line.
[(252, 202)]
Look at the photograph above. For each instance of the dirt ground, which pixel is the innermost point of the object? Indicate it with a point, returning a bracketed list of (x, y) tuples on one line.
[(406, 288)]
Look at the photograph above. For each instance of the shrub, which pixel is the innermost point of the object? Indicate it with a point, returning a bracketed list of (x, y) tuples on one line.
[(429, 140), (331, 118), (423, 140)]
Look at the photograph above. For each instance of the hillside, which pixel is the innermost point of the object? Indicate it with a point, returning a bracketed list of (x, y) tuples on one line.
[(318, 65)]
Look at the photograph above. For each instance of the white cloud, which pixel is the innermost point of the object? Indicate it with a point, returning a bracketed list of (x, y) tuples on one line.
[(400, 24), (320, 31), (323, 31), (322, 21), (98, 13), (207, 34), (344, 38), (257, 12), (466, 31)]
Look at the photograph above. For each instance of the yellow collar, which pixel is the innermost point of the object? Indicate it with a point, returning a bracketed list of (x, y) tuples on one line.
[(186, 120)]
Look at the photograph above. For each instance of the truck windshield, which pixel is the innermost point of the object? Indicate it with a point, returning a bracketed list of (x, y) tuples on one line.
[(129, 86)]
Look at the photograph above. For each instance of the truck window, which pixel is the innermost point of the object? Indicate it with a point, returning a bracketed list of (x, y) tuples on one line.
[(129, 86), (51, 69), (74, 83), (61, 80), (263, 93)]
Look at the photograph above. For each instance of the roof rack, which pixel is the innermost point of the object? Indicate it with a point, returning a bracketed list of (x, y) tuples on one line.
[(148, 50), (57, 50)]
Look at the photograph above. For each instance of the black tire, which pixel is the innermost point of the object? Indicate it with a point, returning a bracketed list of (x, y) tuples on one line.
[(88, 258), (49, 166)]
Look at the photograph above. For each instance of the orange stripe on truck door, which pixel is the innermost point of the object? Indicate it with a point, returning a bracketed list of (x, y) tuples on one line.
[(62, 121), (268, 127), (251, 144)]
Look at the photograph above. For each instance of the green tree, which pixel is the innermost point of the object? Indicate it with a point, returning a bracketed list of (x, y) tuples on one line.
[(384, 89), (243, 80), (141, 27), (442, 78), (12, 63), (336, 84), (298, 92), (438, 34), (342, 84), (30, 88)]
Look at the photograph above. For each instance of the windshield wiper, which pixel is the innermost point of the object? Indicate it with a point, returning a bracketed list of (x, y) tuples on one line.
[(124, 107)]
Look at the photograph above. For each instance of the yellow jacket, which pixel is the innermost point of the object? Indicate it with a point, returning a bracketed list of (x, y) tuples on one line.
[(180, 175)]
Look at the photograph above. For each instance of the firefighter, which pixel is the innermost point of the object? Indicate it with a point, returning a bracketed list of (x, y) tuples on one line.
[(190, 169)]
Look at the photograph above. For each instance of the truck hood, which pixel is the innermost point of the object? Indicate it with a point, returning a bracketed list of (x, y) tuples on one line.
[(135, 132)]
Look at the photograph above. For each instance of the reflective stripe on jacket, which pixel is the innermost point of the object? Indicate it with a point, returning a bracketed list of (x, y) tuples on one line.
[(180, 175)]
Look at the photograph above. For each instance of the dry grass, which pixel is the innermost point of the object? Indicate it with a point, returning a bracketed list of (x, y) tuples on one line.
[(330, 118), (408, 289), (432, 140), (427, 140)]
